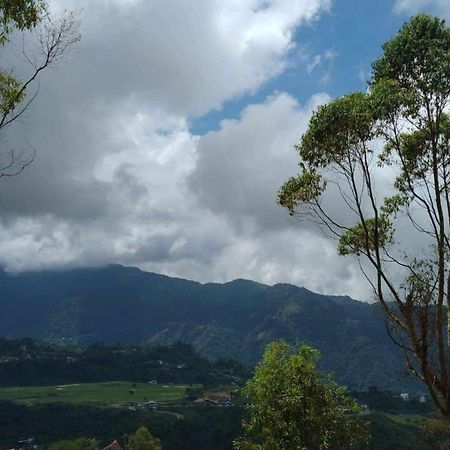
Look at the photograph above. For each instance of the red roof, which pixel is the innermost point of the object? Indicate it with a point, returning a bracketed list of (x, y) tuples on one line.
[(217, 398), (113, 446)]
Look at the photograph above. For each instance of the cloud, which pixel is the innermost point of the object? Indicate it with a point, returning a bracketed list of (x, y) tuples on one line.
[(314, 63), (119, 177), (440, 7), (238, 172), (322, 62), (186, 57), (241, 167), (197, 207)]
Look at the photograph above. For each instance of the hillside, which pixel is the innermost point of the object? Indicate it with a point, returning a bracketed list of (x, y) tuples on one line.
[(27, 362), (237, 319)]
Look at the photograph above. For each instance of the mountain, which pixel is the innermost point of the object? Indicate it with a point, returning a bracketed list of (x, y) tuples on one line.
[(237, 319)]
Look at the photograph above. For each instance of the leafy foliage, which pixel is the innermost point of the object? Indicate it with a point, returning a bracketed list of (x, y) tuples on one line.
[(143, 440), (77, 444), (292, 405), (52, 38), (366, 235), (304, 188), (336, 127), (20, 14), (417, 57), (400, 123), (203, 428)]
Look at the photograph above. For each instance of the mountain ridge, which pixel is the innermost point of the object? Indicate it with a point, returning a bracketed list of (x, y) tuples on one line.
[(237, 319)]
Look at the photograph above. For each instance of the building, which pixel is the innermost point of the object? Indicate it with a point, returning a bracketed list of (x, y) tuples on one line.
[(25, 444), (218, 399), (113, 446)]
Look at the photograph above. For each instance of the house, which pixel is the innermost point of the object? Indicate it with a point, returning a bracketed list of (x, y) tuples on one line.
[(153, 382), (404, 396), (218, 399), (25, 444), (113, 446)]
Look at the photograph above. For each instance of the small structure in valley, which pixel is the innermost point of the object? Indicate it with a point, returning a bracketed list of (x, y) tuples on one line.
[(217, 399), (113, 446), (26, 444)]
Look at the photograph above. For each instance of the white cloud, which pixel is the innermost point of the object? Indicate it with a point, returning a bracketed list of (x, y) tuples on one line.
[(440, 7), (319, 63), (237, 175), (119, 177), (203, 208), (186, 57), (241, 166), (314, 63)]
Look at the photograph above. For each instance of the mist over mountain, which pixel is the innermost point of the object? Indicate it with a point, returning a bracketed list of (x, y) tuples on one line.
[(119, 304)]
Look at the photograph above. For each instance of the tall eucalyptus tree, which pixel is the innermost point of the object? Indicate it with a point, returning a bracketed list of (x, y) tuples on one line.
[(385, 154)]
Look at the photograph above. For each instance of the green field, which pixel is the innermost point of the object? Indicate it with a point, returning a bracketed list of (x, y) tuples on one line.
[(111, 393), (406, 419)]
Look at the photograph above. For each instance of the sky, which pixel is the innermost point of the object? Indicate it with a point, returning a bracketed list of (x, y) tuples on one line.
[(163, 137)]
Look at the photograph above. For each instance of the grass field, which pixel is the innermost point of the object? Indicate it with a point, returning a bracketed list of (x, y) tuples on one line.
[(406, 419), (112, 393)]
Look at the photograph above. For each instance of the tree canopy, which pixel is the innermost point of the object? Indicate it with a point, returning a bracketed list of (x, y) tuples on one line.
[(292, 405), (77, 444), (53, 38), (143, 440), (385, 154), (19, 14)]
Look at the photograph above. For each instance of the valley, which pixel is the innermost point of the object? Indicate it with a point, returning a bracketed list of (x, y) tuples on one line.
[(172, 342)]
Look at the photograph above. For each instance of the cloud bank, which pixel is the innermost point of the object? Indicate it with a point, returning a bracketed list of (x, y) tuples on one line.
[(119, 176)]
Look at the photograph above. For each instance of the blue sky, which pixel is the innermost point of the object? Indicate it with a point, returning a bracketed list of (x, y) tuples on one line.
[(353, 31)]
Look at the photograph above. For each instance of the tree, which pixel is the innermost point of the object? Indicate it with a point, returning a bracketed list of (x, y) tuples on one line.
[(77, 444), (53, 38), (436, 433), (143, 440), (385, 154), (20, 14), (293, 406)]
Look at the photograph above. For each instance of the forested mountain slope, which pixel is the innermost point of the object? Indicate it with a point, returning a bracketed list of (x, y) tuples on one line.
[(121, 304)]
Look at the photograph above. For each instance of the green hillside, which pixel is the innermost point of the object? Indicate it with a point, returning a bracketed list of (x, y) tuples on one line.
[(27, 362), (236, 319)]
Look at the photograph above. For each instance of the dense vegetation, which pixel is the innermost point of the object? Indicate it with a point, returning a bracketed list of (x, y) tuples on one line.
[(26, 362), (236, 319), (390, 402), (203, 428), (292, 405)]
